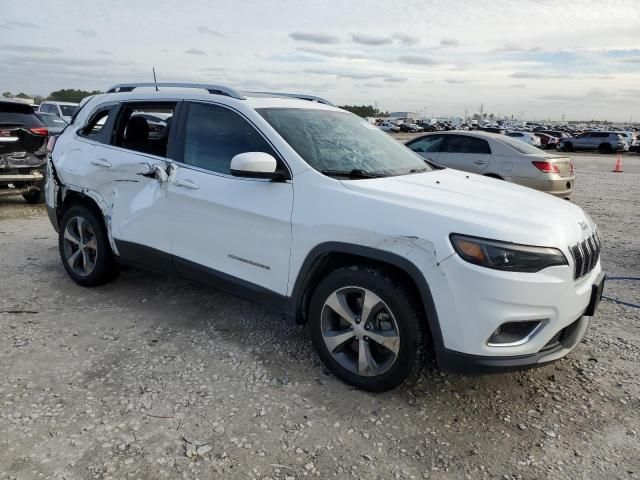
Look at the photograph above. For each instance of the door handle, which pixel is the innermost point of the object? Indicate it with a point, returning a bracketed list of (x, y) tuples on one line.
[(100, 162), (186, 183), (480, 162)]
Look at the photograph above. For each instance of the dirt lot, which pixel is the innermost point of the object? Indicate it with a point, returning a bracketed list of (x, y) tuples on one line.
[(152, 377)]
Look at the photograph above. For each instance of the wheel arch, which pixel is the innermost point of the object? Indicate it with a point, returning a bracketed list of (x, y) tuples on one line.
[(493, 175), (327, 257), (71, 198)]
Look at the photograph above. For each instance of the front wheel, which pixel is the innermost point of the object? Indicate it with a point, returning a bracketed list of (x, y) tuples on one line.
[(366, 327), (605, 148), (33, 197), (84, 248)]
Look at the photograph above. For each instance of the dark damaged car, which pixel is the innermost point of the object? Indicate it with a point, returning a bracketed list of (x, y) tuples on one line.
[(23, 154)]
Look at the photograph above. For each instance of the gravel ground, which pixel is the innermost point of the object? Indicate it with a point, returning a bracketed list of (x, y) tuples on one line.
[(151, 377)]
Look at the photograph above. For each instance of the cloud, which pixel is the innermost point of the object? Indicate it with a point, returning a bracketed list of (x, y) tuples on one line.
[(336, 53), (321, 38), (395, 79), (296, 58), (17, 23), (195, 51), (87, 33), (405, 39), (631, 60), (455, 80), (449, 42), (104, 52), (417, 60), (29, 49), (537, 75), (357, 75), (209, 31), (517, 85), (371, 40)]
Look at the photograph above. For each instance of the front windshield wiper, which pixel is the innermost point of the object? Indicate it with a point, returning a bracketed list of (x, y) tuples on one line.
[(355, 173), (418, 170)]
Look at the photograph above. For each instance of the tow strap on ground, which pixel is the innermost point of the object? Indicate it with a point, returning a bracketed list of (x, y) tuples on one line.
[(616, 300)]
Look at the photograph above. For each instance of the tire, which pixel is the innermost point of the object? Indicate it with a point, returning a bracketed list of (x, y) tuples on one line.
[(95, 264), (568, 147), (34, 197), (395, 317), (605, 148)]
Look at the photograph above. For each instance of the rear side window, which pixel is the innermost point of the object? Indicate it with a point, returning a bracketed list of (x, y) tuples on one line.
[(214, 135), (430, 144), (462, 144), (145, 127), (16, 114)]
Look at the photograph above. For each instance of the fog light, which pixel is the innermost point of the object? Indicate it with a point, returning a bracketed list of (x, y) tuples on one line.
[(512, 334)]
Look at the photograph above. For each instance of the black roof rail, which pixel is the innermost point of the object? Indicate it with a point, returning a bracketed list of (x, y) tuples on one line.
[(299, 96), (213, 89)]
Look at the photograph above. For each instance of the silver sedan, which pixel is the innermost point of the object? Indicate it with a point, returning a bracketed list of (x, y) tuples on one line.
[(500, 157)]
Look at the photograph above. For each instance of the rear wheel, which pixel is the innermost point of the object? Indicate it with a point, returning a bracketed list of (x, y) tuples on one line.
[(84, 248), (568, 147), (605, 148), (366, 327)]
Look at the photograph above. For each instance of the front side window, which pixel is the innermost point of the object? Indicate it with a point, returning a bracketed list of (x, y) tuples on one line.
[(430, 144), (338, 143), (462, 144), (214, 135)]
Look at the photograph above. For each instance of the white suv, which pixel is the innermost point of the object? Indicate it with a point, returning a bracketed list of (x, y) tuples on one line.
[(308, 209)]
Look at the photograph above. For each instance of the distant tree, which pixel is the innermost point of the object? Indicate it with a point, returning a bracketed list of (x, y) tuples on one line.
[(7, 95), (38, 99), (363, 110), (22, 95), (70, 95)]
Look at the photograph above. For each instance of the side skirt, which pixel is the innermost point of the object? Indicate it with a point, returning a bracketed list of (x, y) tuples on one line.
[(149, 258)]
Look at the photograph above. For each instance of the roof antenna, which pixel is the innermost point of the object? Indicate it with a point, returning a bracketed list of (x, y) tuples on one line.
[(155, 80)]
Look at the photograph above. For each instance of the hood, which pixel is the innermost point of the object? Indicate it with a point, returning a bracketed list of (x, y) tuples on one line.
[(475, 205)]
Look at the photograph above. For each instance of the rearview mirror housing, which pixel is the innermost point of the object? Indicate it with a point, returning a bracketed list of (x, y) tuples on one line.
[(254, 165)]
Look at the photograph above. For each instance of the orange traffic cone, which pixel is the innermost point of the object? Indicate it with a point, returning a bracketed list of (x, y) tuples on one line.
[(618, 167)]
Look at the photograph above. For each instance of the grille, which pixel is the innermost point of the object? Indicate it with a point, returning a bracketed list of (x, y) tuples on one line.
[(585, 255), (558, 337)]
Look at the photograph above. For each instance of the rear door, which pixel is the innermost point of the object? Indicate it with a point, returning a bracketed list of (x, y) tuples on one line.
[(468, 153), (137, 165)]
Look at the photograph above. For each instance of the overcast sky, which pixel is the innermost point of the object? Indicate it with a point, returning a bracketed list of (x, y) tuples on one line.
[(543, 58)]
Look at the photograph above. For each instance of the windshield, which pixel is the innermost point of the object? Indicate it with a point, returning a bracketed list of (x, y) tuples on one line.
[(68, 110), (342, 142), (519, 145)]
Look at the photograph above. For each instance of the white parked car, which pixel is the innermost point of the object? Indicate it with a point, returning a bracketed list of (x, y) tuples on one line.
[(526, 137), (64, 110), (312, 211)]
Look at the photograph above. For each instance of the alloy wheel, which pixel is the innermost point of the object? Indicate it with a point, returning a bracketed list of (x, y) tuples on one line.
[(80, 246), (360, 331)]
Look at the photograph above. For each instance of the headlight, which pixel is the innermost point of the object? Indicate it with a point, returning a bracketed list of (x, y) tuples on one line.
[(506, 256)]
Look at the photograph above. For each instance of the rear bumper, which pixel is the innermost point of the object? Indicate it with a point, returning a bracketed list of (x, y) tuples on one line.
[(456, 362), (559, 187), (21, 181)]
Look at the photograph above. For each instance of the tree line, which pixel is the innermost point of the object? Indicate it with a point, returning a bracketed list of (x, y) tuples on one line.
[(364, 110), (65, 95)]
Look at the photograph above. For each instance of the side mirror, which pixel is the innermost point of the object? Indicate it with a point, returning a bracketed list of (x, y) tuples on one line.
[(254, 165)]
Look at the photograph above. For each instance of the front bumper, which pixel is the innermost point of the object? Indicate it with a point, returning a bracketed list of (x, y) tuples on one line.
[(472, 302), (571, 336)]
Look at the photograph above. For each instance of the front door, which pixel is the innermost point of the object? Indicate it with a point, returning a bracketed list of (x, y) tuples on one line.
[(227, 230)]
